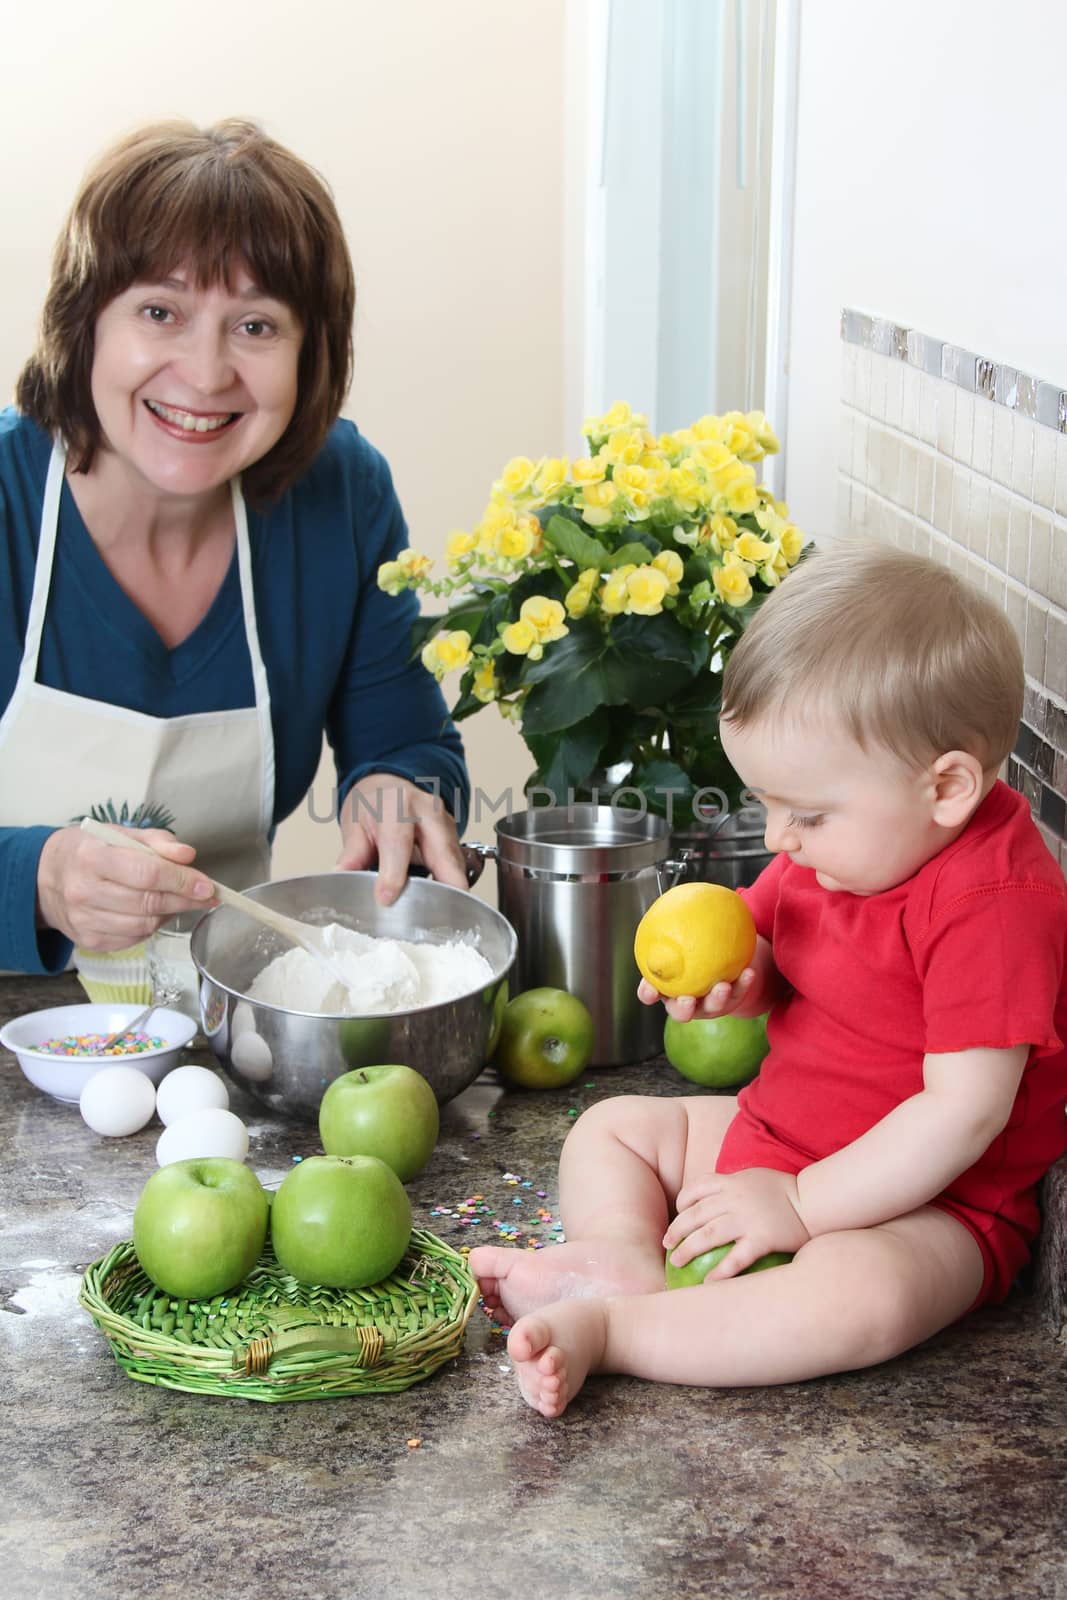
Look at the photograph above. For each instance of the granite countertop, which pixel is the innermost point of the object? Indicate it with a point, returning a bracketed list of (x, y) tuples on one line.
[(939, 1474)]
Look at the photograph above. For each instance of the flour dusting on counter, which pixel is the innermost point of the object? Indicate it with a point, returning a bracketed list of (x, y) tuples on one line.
[(382, 975)]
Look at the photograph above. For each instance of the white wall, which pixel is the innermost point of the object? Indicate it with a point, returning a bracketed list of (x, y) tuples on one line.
[(929, 156), (439, 128)]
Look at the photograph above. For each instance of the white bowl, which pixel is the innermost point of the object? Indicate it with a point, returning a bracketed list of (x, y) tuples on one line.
[(64, 1077)]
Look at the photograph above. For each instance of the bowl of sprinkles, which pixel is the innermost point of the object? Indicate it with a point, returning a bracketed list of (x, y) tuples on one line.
[(58, 1049)]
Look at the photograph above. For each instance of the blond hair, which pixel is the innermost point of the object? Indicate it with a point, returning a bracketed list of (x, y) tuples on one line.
[(906, 654)]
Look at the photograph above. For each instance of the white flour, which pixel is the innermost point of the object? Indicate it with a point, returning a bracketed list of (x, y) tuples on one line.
[(381, 975)]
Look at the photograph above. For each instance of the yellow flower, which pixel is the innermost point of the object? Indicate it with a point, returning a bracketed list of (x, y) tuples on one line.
[(447, 652), (415, 565), (618, 416), (459, 545), (731, 582), (408, 568), (767, 516), (670, 563), (551, 476), (657, 473), (765, 435), (646, 589), (792, 542), (613, 596), (484, 686), (516, 476), (545, 616), (685, 489), (392, 577), (515, 542), (720, 532), (739, 437), (709, 428), (741, 498), (624, 447), (671, 448), (711, 454), (597, 501), (589, 469), (750, 547), (632, 483), (520, 639), (729, 473), (579, 596)]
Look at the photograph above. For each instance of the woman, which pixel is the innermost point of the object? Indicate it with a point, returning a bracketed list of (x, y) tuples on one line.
[(190, 538)]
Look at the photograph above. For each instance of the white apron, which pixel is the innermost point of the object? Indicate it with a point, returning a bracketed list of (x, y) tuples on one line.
[(61, 754)]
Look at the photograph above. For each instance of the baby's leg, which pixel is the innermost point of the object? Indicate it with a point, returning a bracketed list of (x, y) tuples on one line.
[(847, 1300), (621, 1168)]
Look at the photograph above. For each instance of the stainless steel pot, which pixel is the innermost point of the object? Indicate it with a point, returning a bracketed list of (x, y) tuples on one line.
[(287, 1058), (574, 882)]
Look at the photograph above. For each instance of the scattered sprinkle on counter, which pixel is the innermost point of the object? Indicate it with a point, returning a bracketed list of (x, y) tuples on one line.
[(88, 1044), (533, 1231)]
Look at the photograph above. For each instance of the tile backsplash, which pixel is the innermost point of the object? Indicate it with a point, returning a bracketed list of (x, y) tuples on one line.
[(964, 458)]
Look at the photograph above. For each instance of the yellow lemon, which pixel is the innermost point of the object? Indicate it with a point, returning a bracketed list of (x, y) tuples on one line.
[(693, 937)]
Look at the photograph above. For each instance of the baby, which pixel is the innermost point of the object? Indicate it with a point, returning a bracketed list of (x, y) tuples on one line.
[(912, 931)]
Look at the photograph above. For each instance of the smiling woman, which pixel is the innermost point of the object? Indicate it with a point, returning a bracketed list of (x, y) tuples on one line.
[(192, 537)]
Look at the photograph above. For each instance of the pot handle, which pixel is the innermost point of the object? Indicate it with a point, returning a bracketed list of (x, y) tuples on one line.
[(475, 855), (668, 872)]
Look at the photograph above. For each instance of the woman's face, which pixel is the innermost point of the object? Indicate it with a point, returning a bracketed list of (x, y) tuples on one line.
[(193, 385)]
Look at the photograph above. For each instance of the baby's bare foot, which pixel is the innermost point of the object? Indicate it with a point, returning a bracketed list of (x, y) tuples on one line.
[(515, 1282), (553, 1351)]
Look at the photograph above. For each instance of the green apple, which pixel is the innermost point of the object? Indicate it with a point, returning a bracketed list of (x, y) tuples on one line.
[(499, 1003), (341, 1221), (385, 1111), (199, 1226), (546, 1039), (363, 1039), (696, 1271), (718, 1052)]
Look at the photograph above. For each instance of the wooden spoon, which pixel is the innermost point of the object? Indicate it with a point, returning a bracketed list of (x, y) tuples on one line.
[(309, 938)]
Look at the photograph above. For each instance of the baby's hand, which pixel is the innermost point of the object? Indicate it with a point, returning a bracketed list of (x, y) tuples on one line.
[(750, 995), (725, 997), (756, 1209)]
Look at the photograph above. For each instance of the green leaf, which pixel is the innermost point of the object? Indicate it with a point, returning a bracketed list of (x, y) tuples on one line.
[(661, 638), (634, 554), (573, 543), (567, 683), (567, 760), (667, 788)]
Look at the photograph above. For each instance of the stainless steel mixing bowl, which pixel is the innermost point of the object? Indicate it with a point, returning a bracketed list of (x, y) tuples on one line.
[(287, 1058)]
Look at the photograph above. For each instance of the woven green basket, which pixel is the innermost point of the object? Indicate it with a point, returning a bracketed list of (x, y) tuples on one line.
[(272, 1338)]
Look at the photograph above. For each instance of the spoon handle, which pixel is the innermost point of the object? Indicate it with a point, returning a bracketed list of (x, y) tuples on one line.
[(296, 932)]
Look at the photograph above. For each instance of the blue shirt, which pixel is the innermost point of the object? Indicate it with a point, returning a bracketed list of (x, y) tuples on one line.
[(336, 649)]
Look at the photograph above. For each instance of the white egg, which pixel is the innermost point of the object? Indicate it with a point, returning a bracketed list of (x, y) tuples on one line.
[(189, 1089), (251, 1055), (117, 1100), (208, 1132)]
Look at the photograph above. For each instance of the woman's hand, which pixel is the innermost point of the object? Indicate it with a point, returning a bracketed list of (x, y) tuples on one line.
[(107, 899), (390, 821), (750, 995), (757, 1209)]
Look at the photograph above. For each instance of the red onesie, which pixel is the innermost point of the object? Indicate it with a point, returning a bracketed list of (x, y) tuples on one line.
[(968, 952)]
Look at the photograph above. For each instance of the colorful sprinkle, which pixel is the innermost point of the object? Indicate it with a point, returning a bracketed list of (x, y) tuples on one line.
[(88, 1044)]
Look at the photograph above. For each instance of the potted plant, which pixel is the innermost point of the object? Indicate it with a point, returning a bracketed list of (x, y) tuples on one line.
[(597, 601)]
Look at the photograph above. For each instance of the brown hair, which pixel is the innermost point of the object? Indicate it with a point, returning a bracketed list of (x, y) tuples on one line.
[(908, 655), (217, 198)]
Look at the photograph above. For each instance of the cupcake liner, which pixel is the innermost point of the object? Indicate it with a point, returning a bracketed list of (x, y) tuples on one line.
[(116, 977)]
